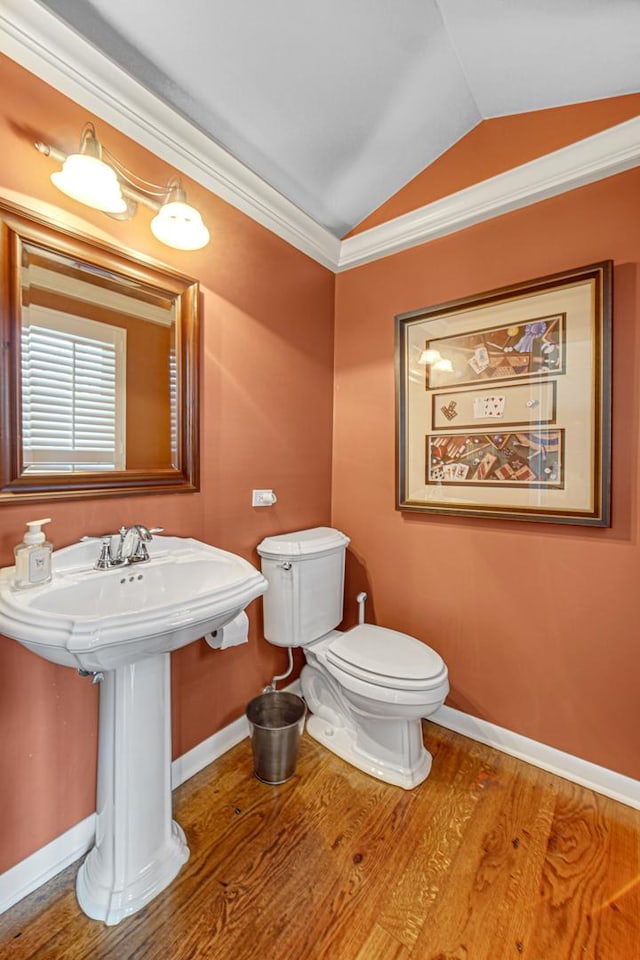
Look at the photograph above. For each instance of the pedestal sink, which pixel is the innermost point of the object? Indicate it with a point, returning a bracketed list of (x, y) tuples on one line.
[(123, 622)]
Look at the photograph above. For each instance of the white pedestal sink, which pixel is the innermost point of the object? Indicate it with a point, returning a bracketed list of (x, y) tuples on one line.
[(124, 622)]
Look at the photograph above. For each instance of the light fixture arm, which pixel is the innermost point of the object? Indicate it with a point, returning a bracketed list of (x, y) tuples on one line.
[(176, 223), (128, 191)]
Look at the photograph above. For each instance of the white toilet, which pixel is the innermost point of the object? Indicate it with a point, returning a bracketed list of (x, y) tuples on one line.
[(367, 688)]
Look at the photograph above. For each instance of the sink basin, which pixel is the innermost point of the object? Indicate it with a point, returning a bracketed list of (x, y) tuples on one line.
[(122, 624), (103, 619)]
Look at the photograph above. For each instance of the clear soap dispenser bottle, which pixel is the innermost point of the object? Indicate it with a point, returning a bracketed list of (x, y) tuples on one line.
[(33, 557)]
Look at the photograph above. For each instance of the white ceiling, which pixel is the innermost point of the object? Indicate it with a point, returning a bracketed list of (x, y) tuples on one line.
[(337, 104)]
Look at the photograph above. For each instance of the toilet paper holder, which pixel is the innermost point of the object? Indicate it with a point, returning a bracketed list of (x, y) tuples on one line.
[(232, 634)]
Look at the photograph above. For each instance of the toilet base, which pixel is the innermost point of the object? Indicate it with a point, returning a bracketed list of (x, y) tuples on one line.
[(342, 741)]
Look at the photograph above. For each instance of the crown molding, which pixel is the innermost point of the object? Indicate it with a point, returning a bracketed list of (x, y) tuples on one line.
[(594, 158), (44, 45), (38, 41)]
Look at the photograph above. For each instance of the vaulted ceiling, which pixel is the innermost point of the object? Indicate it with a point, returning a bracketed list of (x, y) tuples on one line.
[(338, 104)]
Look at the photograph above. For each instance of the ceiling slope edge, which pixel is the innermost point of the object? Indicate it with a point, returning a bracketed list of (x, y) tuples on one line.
[(38, 41), (594, 158)]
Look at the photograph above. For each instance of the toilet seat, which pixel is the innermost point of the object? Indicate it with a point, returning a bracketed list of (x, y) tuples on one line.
[(386, 658)]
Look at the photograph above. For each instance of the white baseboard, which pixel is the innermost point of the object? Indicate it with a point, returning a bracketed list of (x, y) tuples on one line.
[(45, 863), (51, 859), (209, 750), (624, 789), (213, 747)]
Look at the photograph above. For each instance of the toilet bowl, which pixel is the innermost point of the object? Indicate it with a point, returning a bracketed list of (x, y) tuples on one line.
[(367, 688)]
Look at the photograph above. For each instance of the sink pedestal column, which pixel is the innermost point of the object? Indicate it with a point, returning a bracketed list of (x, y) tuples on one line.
[(139, 848)]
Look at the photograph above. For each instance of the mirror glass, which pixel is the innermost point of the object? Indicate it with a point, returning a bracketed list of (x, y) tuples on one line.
[(100, 368)]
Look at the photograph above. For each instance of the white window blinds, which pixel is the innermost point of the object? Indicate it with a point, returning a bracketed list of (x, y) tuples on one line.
[(73, 397)]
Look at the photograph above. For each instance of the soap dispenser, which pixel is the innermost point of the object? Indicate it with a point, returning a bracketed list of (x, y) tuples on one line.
[(33, 557)]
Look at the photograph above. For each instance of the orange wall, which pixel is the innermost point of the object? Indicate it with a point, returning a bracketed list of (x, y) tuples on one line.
[(499, 144), (266, 422), (537, 622)]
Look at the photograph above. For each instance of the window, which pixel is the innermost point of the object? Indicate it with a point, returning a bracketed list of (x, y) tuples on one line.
[(73, 396)]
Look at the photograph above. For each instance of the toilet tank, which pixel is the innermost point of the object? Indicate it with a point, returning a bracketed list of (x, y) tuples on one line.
[(305, 571)]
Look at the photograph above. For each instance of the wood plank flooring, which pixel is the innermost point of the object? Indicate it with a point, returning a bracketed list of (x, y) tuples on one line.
[(489, 858)]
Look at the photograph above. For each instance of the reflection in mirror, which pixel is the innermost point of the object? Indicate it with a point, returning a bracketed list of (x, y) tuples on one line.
[(97, 368), (100, 377)]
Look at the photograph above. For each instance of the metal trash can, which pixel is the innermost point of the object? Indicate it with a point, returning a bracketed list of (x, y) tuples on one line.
[(276, 722)]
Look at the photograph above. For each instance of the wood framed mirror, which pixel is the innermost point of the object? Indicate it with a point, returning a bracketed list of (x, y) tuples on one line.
[(100, 368)]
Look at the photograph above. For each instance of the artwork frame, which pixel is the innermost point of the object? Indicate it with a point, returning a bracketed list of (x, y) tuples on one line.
[(503, 402)]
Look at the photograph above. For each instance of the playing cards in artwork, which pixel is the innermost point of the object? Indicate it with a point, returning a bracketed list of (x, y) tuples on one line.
[(529, 457), (520, 405), (532, 348), (489, 408)]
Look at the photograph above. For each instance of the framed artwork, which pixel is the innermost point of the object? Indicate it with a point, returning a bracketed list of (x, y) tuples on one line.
[(503, 402)]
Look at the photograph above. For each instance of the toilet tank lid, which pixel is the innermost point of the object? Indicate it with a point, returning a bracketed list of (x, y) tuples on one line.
[(303, 543)]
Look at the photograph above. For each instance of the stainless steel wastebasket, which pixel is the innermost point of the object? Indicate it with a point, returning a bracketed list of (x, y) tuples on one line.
[(276, 722)]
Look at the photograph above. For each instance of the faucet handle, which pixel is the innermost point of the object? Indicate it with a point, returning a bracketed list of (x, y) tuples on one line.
[(139, 552), (105, 560)]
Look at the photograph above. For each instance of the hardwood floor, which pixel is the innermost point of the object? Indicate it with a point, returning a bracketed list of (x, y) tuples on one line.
[(489, 858)]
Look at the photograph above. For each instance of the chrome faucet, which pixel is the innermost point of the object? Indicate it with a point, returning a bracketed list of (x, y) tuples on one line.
[(131, 547)]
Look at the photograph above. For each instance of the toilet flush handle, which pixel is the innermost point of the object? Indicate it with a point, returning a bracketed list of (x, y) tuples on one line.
[(286, 565)]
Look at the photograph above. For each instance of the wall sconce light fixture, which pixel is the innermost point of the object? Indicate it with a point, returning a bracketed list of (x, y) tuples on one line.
[(95, 177)]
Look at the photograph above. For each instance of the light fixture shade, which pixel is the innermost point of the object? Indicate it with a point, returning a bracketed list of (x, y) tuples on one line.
[(180, 226), (90, 181)]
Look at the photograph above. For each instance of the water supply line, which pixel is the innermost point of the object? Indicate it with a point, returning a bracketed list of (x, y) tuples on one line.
[(361, 599), (271, 687), (97, 676)]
